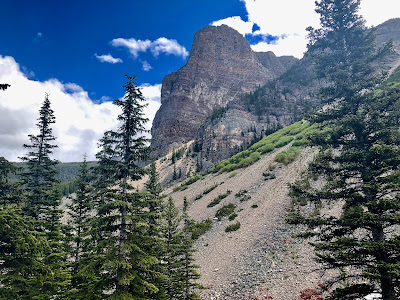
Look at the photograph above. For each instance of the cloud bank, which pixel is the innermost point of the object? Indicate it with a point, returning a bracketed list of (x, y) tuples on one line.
[(287, 19), (80, 121), (160, 45)]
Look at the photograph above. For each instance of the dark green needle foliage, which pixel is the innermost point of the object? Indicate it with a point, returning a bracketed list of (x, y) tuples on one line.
[(9, 192), (358, 161), (121, 224)]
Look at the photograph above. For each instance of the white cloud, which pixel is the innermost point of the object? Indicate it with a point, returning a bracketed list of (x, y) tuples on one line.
[(80, 122), (161, 45), (237, 23), (377, 12), (289, 18), (164, 45), (146, 66), (134, 46), (108, 58)]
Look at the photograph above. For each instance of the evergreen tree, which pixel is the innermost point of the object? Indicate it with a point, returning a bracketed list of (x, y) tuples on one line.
[(189, 269), (358, 160), (79, 221), (38, 178), (173, 255), (43, 200), (9, 192), (22, 249), (122, 219)]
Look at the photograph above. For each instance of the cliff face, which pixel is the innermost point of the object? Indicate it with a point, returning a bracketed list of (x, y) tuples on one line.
[(221, 71), (220, 68)]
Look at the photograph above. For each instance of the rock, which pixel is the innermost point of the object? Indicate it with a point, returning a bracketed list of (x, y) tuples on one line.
[(220, 68)]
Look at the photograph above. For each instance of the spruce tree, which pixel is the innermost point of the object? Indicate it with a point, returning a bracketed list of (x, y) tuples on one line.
[(358, 160), (122, 221)]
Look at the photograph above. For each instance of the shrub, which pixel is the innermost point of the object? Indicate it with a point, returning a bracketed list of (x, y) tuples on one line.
[(232, 216), (286, 157), (283, 141), (199, 228), (218, 199), (254, 206), (210, 189), (192, 179), (225, 210), (266, 148), (233, 174), (232, 227)]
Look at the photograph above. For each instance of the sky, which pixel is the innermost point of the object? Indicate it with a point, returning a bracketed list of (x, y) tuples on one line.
[(79, 51)]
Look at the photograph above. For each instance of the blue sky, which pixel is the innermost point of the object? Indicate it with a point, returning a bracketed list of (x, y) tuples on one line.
[(59, 39), (78, 51)]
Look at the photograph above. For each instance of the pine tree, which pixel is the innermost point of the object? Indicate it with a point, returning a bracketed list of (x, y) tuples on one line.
[(122, 221), (358, 160)]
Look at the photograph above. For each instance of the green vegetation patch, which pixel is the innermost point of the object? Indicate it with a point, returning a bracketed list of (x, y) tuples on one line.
[(232, 227), (219, 198), (278, 139), (225, 211), (286, 157), (197, 229)]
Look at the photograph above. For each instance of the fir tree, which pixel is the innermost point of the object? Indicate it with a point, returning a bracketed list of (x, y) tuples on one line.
[(122, 221), (190, 275), (9, 192), (358, 160), (43, 200), (79, 221), (173, 258), (39, 177)]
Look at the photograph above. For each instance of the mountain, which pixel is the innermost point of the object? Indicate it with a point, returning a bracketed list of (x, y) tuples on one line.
[(227, 96), (220, 68)]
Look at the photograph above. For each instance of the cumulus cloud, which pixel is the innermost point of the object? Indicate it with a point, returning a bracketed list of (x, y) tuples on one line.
[(108, 58), (287, 20), (80, 122), (161, 45)]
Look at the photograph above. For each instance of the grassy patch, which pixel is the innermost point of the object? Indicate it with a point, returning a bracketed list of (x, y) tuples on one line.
[(232, 227)]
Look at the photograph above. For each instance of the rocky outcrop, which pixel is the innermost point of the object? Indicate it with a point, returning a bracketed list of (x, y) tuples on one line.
[(220, 68)]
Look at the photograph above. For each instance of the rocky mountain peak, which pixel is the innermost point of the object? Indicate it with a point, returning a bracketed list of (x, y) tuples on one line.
[(221, 67)]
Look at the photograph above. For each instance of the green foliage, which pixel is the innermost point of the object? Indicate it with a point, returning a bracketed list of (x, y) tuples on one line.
[(273, 141), (232, 174), (192, 179), (197, 229), (219, 198), (358, 160), (287, 156), (225, 210), (232, 227), (232, 216)]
